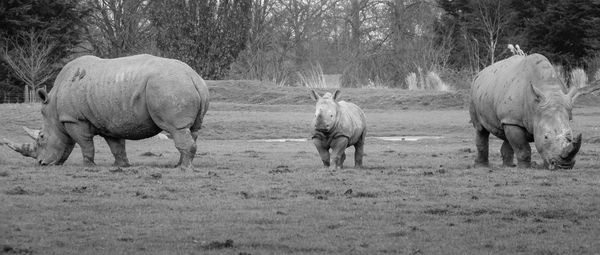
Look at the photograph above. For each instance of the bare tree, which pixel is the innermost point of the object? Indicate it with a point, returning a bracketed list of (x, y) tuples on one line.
[(118, 27), (495, 15), (29, 60), (304, 21)]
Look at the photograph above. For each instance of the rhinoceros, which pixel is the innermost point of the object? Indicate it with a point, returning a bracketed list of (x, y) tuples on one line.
[(130, 98), (337, 126), (521, 100)]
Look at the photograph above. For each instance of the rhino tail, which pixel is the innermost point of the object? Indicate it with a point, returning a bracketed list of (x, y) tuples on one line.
[(203, 93)]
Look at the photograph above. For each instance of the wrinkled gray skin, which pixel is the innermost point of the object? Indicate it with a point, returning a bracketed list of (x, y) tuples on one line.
[(521, 100), (131, 98), (337, 126)]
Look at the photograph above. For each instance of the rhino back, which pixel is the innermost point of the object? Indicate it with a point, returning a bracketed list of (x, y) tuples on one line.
[(351, 122), (501, 93), (112, 94)]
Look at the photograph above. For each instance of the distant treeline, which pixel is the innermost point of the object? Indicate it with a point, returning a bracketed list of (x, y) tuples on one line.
[(368, 42)]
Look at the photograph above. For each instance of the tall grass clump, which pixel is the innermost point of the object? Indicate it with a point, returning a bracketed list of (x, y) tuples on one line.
[(434, 82), (578, 78), (312, 77), (411, 81), (429, 81)]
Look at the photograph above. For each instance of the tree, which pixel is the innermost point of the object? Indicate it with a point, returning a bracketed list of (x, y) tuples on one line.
[(564, 31), (61, 20), (206, 34), (118, 28), (304, 20), (480, 28), (494, 15), (29, 60)]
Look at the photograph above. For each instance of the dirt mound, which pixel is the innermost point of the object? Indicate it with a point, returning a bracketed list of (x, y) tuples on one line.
[(256, 92)]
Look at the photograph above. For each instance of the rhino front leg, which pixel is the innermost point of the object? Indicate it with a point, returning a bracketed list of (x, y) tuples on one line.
[(517, 137), (117, 147), (508, 154), (82, 135), (482, 138), (323, 150), (185, 143), (338, 146)]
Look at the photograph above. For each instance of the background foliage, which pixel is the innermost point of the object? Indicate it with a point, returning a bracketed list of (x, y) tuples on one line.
[(367, 43)]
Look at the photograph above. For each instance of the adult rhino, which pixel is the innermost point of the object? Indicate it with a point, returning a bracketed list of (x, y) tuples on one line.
[(337, 126), (521, 100), (123, 98)]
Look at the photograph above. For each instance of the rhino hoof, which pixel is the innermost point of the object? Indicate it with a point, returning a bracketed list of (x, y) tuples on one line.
[(509, 165), (186, 168), (482, 164), (122, 164)]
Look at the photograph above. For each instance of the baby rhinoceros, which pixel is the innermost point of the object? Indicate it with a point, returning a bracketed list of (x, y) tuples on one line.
[(337, 126)]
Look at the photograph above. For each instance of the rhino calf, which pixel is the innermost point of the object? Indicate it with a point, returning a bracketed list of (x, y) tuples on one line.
[(522, 100), (132, 98), (337, 126)]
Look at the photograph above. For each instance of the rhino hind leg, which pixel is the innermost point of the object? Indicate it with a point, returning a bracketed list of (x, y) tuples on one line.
[(117, 148), (508, 154), (517, 137), (185, 143), (482, 138)]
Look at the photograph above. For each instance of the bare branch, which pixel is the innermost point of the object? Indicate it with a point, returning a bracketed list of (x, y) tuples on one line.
[(29, 58)]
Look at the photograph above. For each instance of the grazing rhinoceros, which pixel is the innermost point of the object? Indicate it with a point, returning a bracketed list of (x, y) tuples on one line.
[(337, 126), (123, 98), (521, 100)]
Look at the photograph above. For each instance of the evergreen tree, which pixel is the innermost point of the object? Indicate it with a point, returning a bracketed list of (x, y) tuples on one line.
[(564, 31), (61, 20), (206, 34), (567, 32)]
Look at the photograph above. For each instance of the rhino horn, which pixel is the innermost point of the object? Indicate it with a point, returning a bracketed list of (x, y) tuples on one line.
[(571, 150), (33, 133), (26, 149)]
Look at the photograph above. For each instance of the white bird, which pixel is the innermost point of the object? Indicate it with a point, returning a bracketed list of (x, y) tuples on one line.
[(519, 51), (512, 49)]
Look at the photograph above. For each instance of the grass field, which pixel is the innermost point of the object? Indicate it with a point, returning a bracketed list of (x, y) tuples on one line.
[(255, 197)]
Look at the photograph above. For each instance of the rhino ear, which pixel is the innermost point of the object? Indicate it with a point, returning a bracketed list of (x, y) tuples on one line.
[(43, 95), (539, 95), (336, 94), (314, 95)]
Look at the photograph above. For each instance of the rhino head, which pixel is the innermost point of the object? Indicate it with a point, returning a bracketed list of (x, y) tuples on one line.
[(52, 145), (553, 135), (326, 110)]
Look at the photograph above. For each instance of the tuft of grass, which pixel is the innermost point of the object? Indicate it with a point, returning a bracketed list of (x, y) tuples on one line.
[(430, 81), (579, 78), (313, 77), (411, 81), (434, 82)]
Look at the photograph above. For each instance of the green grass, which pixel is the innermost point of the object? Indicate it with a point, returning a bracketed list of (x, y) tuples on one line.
[(419, 197)]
